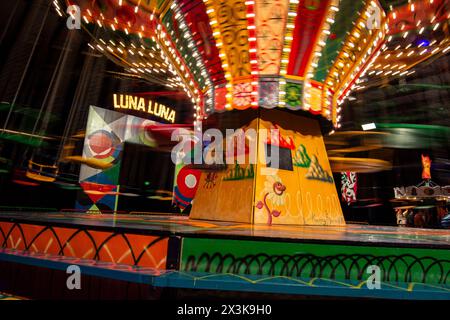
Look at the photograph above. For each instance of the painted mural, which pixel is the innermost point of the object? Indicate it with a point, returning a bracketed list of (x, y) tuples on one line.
[(106, 132), (349, 186), (300, 191), (305, 195)]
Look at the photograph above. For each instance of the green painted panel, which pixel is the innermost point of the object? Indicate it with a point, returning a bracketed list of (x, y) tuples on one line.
[(294, 94), (340, 262)]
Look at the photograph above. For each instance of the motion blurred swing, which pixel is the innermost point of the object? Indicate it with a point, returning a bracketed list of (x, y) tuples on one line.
[(35, 170)]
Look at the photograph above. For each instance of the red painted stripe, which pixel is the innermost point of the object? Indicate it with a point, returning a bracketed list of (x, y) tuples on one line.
[(310, 14)]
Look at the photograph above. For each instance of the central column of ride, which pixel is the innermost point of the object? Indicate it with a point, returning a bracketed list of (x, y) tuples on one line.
[(289, 183)]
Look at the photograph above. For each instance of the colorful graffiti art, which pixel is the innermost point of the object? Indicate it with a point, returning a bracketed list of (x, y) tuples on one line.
[(297, 189), (349, 186)]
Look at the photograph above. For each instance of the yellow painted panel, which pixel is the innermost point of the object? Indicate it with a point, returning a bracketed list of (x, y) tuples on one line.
[(226, 195), (231, 18), (310, 196)]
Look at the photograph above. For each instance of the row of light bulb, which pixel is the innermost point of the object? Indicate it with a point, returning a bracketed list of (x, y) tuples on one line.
[(317, 54), (344, 88), (419, 52), (208, 98), (187, 82), (211, 12)]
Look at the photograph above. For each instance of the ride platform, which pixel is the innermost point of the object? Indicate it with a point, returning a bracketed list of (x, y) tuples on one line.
[(152, 256)]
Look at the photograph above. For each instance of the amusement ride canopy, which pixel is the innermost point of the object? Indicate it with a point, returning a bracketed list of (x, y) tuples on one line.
[(297, 54)]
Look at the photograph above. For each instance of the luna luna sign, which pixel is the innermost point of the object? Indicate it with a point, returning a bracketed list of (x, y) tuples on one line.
[(124, 101)]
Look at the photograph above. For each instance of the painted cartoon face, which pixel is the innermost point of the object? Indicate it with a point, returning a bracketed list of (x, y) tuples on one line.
[(278, 188)]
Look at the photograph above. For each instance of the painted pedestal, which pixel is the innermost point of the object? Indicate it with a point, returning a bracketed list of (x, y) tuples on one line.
[(301, 191)]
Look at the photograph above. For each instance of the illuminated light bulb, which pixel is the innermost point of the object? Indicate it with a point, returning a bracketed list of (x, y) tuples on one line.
[(435, 50)]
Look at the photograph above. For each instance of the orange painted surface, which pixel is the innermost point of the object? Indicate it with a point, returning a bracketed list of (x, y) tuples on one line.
[(131, 249)]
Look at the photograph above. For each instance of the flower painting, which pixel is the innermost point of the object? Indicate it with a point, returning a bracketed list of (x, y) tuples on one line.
[(274, 196)]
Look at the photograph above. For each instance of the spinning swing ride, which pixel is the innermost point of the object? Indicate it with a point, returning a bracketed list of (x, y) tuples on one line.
[(295, 61)]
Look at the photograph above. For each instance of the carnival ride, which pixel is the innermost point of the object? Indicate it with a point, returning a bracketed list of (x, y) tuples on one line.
[(292, 63)]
